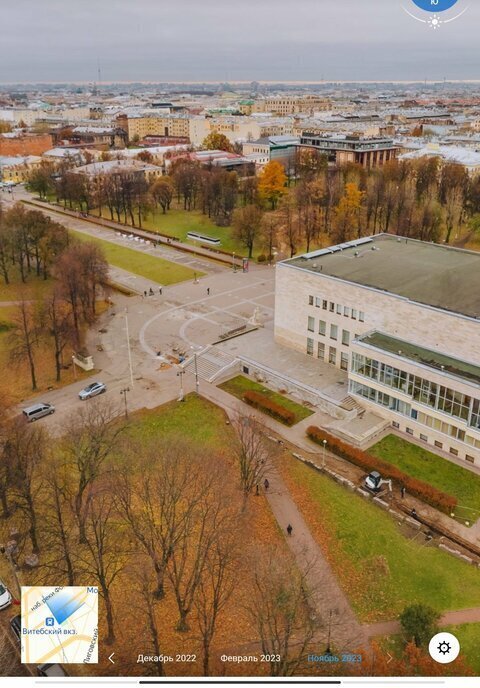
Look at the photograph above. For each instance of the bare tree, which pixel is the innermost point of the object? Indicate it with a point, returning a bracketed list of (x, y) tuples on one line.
[(59, 321), (203, 523), (281, 609), (253, 452), (219, 578), (105, 559), (5, 464), (247, 222), (24, 339), (147, 605), (57, 526), (25, 452), (9, 659), (157, 504), (91, 437)]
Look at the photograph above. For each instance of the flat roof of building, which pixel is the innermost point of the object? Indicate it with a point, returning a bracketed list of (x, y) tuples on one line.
[(427, 273), (418, 354)]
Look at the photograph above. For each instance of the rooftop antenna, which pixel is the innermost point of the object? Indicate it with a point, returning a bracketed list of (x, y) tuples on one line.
[(99, 73)]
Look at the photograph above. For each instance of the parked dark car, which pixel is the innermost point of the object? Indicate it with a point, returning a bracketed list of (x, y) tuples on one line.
[(16, 626)]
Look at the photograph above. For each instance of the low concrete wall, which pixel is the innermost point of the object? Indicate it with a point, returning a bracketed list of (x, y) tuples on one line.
[(298, 391)]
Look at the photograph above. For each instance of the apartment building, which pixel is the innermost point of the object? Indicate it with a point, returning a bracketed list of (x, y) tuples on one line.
[(289, 105), (156, 124)]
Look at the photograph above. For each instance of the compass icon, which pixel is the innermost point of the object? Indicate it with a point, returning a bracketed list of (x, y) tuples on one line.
[(434, 17), (435, 5)]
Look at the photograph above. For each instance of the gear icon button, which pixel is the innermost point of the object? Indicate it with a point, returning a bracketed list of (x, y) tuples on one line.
[(444, 648)]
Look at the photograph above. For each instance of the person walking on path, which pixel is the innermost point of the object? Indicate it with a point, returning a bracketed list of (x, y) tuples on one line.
[(160, 291), (208, 291), (266, 484), (289, 529), (403, 492)]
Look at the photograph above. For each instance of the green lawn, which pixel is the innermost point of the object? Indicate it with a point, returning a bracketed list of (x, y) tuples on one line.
[(381, 570), (143, 264), (196, 417), (240, 384), (33, 289), (469, 638), (178, 222), (441, 473)]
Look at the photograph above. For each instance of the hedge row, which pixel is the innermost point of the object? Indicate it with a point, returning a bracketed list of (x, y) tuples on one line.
[(263, 403), (427, 493)]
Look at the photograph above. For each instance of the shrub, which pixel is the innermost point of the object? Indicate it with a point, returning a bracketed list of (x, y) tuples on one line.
[(419, 623), (263, 403), (261, 258), (427, 493)]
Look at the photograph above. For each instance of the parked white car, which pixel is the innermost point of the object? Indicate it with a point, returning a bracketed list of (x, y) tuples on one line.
[(92, 390), (5, 596)]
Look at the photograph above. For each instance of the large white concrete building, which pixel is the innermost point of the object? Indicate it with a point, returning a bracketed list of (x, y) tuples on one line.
[(402, 318)]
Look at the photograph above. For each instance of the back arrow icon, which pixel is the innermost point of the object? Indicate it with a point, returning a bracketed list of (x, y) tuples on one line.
[(110, 658)]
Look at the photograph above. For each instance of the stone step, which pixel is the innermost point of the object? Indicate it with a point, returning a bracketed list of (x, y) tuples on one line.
[(351, 404)]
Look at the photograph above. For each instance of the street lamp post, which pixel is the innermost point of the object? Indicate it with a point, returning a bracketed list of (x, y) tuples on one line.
[(324, 453), (197, 383), (234, 265), (180, 374), (328, 651), (128, 348), (124, 391)]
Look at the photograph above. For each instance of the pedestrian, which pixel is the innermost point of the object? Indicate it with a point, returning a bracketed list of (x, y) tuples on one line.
[(413, 513), (151, 291), (160, 291), (403, 492), (145, 294), (289, 529), (208, 291), (266, 483)]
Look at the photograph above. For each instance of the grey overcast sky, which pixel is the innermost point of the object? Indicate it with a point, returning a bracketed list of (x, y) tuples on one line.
[(217, 40)]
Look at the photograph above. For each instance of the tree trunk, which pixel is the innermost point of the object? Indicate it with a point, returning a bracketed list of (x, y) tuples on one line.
[(4, 503), (110, 639)]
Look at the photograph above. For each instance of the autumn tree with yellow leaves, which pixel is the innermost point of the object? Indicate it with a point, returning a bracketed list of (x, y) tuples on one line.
[(271, 184)]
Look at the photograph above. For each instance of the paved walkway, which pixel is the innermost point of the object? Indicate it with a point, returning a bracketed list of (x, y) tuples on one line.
[(328, 597), (346, 631), (462, 616)]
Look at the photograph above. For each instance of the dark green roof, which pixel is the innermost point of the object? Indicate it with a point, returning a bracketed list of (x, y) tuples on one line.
[(418, 354)]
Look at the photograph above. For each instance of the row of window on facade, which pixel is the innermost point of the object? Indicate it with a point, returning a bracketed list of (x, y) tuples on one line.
[(337, 308), (321, 353), (405, 409), (437, 443), (426, 392), (322, 330)]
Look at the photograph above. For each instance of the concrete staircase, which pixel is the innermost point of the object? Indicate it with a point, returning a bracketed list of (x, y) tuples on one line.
[(212, 364), (351, 404)]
